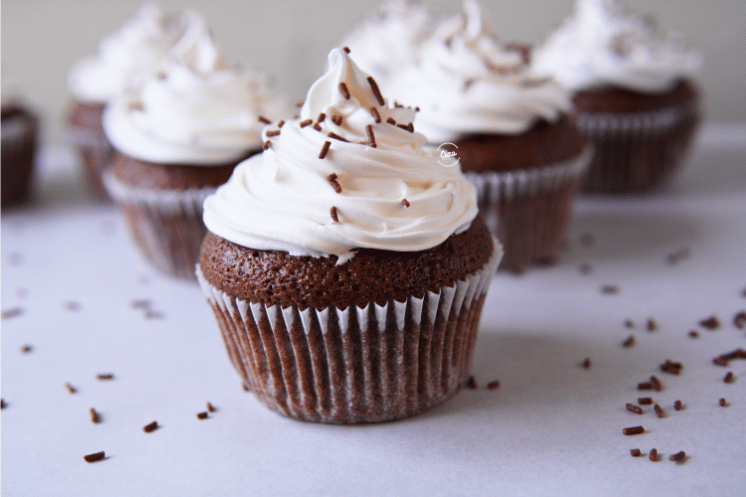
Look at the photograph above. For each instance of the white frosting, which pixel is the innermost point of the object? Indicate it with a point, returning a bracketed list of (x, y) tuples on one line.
[(604, 43), (281, 199), (468, 82), (391, 39), (197, 109), (127, 56)]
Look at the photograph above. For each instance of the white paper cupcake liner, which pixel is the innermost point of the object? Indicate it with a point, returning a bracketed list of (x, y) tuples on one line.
[(637, 151), (166, 225), (356, 365), (528, 209)]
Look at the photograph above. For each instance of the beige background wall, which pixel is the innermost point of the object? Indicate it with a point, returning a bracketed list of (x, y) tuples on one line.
[(290, 39)]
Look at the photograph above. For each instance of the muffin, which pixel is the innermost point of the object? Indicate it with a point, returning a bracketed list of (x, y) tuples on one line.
[(346, 268), (633, 90), (390, 39), (124, 59), (19, 137), (512, 133), (178, 136)]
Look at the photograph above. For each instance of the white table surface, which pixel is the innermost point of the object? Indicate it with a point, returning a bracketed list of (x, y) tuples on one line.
[(552, 428)]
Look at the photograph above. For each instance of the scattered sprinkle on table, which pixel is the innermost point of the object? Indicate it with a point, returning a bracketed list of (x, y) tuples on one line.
[(711, 323), (150, 427), (645, 401), (678, 405), (678, 457), (105, 376), (202, 415), (633, 408), (210, 407), (70, 388), (635, 452), (95, 416), (493, 385), (471, 383), (653, 456), (94, 457), (633, 430)]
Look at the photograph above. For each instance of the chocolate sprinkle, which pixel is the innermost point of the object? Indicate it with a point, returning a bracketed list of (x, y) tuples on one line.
[(305, 123), (26, 349), (635, 452), (645, 401), (493, 385), (105, 376), (633, 408), (273, 132), (610, 289), (729, 378), (645, 386), (653, 456), (266, 145), (263, 119), (629, 342), (280, 124), (94, 457), (656, 383), (332, 178), (70, 388), (633, 430), (739, 320), (321, 117), (317, 127), (150, 427), (333, 214), (390, 120), (376, 91), (678, 457), (334, 135), (344, 90), (202, 415), (719, 361), (671, 367), (3, 405), (325, 150), (587, 363), (678, 405), (11, 313), (629, 323), (722, 402), (405, 202), (375, 114), (371, 136), (659, 411), (299, 103), (710, 323), (693, 334), (346, 49), (210, 407), (471, 383), (95, 417), (337, 119), (586, 268), (652, 325)]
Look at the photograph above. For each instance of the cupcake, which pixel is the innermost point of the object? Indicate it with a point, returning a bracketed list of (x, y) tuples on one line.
[(390, 39), (633, 89), (512, 133), (178, 136), (124, 59), (346, 268), (19, 136)]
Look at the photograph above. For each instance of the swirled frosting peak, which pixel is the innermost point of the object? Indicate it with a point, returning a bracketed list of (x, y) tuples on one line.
[(605, 43), (350, 172), (198, 109), (468, 82), (127, 56), (390, 39)]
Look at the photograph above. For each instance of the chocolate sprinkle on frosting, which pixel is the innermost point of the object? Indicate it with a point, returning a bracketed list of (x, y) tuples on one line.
[(376, 91), (333, 214), (280, 124), (334, 135), (344, 90), (317, 127), (375, 114), (337, 119), (263, 119), (266, 145), (299, 103), (332, 178), (321, 118), (390, 120), (371, 136), (346, 49), (325, 150), (273, 132), (305, 123), (94, 457), (405, 202)]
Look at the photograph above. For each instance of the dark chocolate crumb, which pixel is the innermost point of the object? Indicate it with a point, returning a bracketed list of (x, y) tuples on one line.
[(653, 455), (263, 119), (645, 401), (493, 385), (610, 289), (272, 133), (26, 349), (70, 388), (105, 376), (266, 145), (633, 430), (723, 402), (405, 202), (346, 49), (94, 457), (635, 452), (739, 320), (629, 323), (652, 325), (471, 383), (678, 405), (344, 90), (633, 408), (95, 417), (325, 150), (657, 385), (375, 114), (629, 342), (202, 415), (150, 427), (711, 323), (586, 363), (659, 411), (210, 407), (333, 214), (678, 457), (729, 377), (376, 91), (693, 334), (305, 123)]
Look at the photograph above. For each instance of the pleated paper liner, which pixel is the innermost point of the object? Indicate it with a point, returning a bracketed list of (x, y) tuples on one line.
[(166, 225), (529, 210), (360, 364), (96, 153), (637, 152)]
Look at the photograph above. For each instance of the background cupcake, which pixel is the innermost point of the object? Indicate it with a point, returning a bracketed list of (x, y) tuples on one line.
[(178, 136), (633, 90), (510, 130), (123, 61), (19, 137), (390, 39), (344, 265)]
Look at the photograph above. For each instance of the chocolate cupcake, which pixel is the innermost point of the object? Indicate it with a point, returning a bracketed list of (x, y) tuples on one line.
[(179, 136), (19, 138), (124, 59), (633, 90), (482, 105), (346, 268)]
